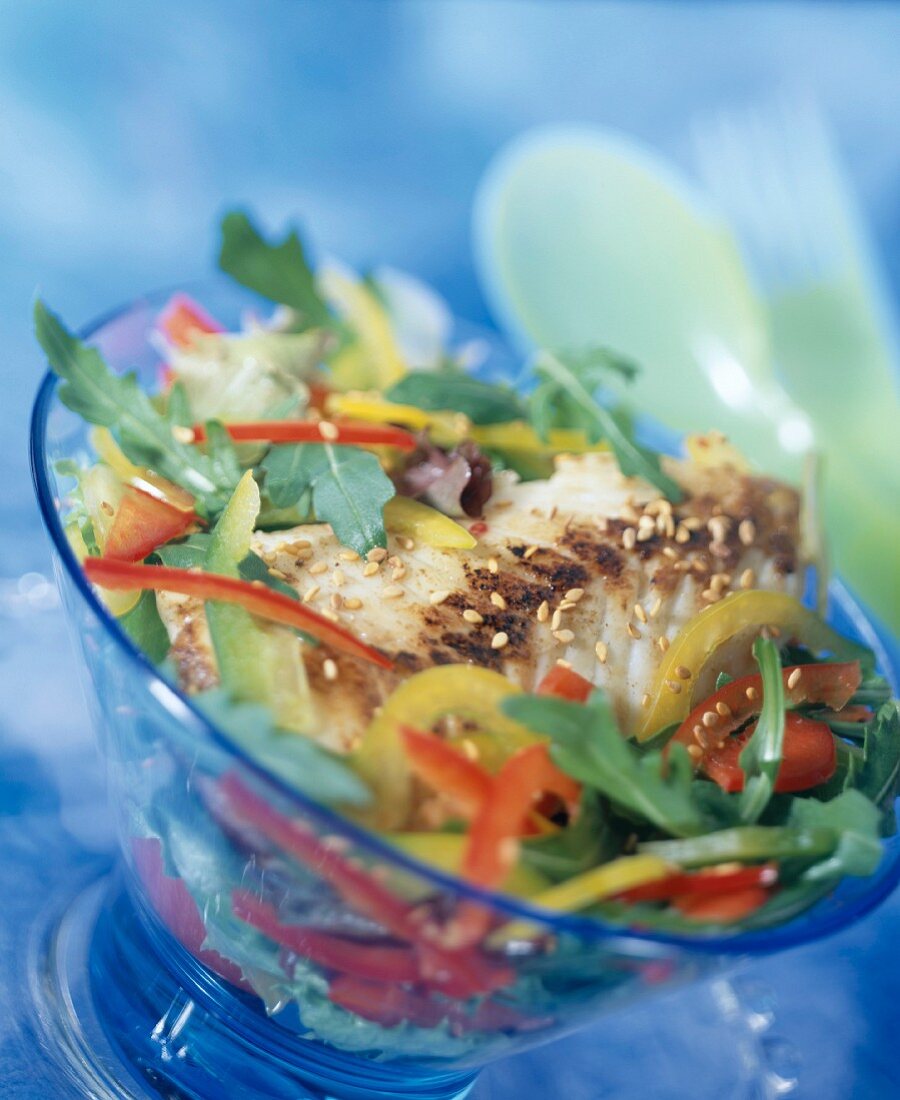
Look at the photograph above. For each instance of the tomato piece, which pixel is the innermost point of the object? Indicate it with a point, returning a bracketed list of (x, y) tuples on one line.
[(314, 431), (255, 597), (734, 704), (143, 522), (809, 757), (709, 881), (183, 320), (447, 770), (363, 960), (565, 683), (722, 908)]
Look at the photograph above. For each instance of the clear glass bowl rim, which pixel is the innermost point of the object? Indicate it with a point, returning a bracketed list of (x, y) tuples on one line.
[(804, 928)]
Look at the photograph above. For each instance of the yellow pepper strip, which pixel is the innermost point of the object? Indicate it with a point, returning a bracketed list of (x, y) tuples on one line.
[(587, 889), (705, 632), (714, 450), (101, 491), (471, 693), (403, 516), (111, 453), (373, 360), (445, 852), (446, 428)]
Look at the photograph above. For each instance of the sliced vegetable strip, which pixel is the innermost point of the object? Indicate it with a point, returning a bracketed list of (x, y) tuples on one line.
[(565, 683), (722, 908), (809, 757), (714, 880), (256, 598), (315, 431), (447, 770), (143, 522), (183, 320)]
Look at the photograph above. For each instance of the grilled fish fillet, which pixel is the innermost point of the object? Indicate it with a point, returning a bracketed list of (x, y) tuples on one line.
[(586, 556)]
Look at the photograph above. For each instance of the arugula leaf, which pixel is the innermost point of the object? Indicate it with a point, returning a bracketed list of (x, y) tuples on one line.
[(760, 758), (279, 272), (455, 389), (856, 823), (746, 844), (300, 762), (117, 402), (878, 777), (569, 382), (221, 452), (582, 845), (587, 744), (145, 628), (349, 489)]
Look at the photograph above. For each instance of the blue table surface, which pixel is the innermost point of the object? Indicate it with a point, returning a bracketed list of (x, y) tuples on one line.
[(124, 133)]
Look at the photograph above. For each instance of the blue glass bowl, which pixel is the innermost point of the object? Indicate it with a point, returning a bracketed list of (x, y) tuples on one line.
[(202, 1003)]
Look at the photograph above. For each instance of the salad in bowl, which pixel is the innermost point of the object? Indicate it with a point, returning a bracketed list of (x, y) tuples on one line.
[(454, 713)]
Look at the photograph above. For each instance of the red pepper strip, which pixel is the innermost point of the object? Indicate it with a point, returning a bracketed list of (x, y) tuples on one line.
[(706, 882), (311, 431), (722, 908), (809, 757), (390, 1005), (142, 523), (254, 596), (445, 769), (565, 684), (183, 319), (458, 973), (829, 684), (376, 962)]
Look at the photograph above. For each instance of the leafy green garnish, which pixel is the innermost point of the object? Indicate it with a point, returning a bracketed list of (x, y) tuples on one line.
[(279, 272), (746, 844), (760, 758), (586, 743), (578, 847), (300, 762), (117, 402), (145, 628), (458, 391), (567, 385), (856, 823), (349, 489), (878, 777)]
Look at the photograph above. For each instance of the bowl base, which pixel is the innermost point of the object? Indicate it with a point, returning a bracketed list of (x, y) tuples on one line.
[(128, 1020)]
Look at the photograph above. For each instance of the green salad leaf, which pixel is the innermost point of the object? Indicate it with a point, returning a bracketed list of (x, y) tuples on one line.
[(878, 777), (117, 402), (761, 756), (349, 489), (457, 390), (592, 839), (567, 382), (145, 628), (587, 744), (856, 823), (279, 272)]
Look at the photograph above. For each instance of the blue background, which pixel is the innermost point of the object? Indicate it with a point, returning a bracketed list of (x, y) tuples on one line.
[(125, 129)]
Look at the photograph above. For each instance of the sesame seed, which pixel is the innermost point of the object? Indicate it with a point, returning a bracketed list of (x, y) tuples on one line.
[(336, 600), (670, 552), (602, 524), (645, 699), (370, 568), (395, 561), (280, 574), (353, 603), (628, 514), (645, 535), (498, 601), (567, 605), (640, 613), (349, 555), (748, 578), (718, 527), (311, 593), (710, 719), (319, 567), (407, 543), (747, 532), (669, 530), (663, 643), (694, 752), (682, 672), (751, 693), (654, 610), (574, 594), (530, 552), (711, 595), (338, 578), (255, 584), (106, 508), (181, 434), (633, 631), (562, 663), (602, 651), (723, 709), (329, 614), (794, 678), (692, 523), (556, 621), (646, 523), (439, 596), (303, 554), (377, 554), (392, 592), (328, 431), (563, 636), (543, 612), (472, 616), (775, 631), (493, 565), (398, 573), (329, 669), (682, 534), (674, 686), (499, 640), (629, 537)]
